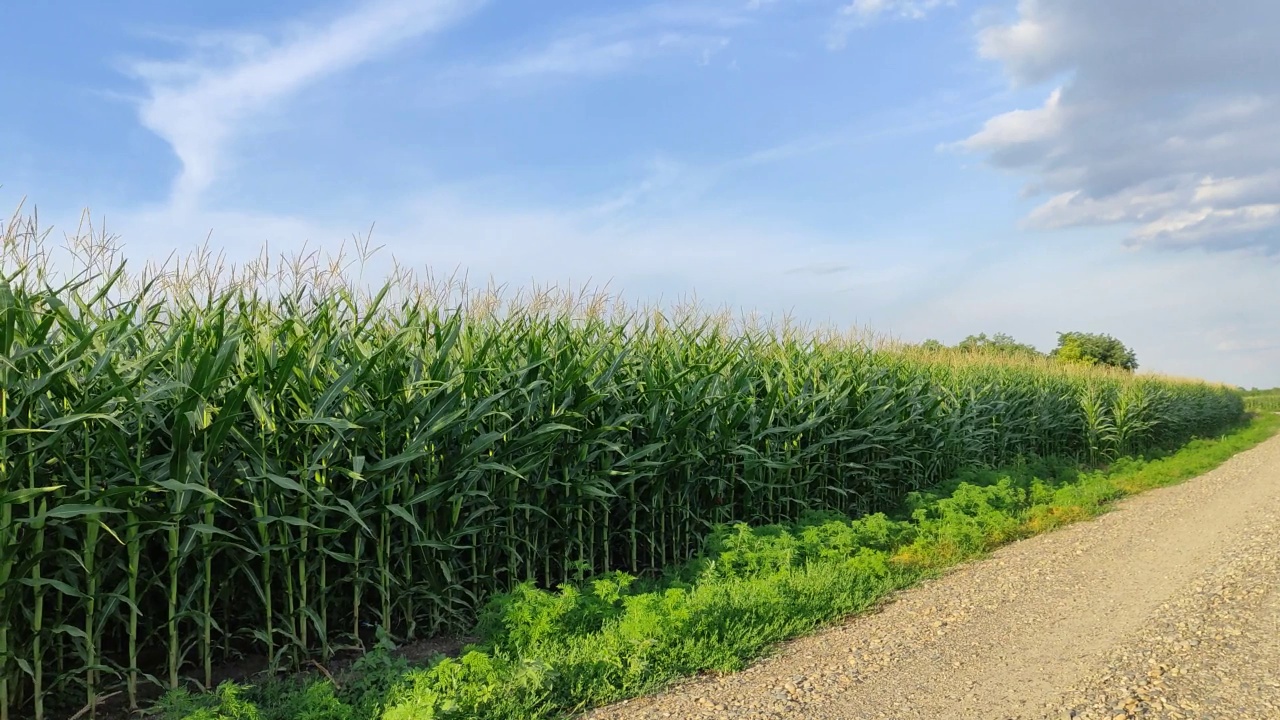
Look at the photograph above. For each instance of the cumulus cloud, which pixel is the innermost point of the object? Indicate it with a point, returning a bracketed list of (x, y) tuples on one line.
[(1165, 118)]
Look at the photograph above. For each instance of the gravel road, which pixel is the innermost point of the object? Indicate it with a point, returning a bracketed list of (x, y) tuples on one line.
[(1167, 607)]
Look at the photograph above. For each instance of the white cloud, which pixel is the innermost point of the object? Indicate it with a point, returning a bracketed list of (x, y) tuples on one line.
[(199, 104), (1020, 127), (1166, 118), (1207, 225), (1238, 190)]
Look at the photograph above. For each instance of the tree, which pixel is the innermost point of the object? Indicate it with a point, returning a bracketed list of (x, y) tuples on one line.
[(999, 343), (1094, 349)]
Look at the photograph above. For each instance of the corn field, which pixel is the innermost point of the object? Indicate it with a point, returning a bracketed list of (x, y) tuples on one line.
[(1264, 401), (196, 467)]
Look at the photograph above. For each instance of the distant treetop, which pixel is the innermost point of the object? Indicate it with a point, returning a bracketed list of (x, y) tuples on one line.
[(1073, 347), (998, 343), (1094, 349)]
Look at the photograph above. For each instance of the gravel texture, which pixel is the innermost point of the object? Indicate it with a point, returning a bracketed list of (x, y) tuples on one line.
[(1167, 607)]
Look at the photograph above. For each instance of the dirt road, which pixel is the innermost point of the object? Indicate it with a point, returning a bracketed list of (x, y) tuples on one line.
[(1168, 607)]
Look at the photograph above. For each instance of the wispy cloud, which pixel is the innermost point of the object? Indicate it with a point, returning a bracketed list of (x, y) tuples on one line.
[(860, 13), (614, 42), (598, 54), (198, 104), (672, 182)]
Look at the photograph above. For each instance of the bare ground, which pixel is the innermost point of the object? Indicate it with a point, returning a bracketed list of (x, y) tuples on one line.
[(1168, 607)]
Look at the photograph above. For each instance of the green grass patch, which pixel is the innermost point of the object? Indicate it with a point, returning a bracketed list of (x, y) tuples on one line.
[(550, 654)]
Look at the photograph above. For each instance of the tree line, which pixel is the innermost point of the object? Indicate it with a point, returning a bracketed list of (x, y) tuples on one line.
[(1073, 347)]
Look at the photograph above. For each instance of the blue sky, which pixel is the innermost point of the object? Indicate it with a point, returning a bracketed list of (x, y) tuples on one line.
[(923, 167)]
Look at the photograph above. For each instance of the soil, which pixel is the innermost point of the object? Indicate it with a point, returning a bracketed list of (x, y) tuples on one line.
[(250, 669)]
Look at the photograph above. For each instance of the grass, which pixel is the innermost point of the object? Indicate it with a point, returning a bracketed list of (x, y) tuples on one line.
[(550, 654)]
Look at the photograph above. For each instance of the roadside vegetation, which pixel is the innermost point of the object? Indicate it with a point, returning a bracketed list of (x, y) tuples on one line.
[(204, 465), (551, 653)]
